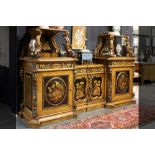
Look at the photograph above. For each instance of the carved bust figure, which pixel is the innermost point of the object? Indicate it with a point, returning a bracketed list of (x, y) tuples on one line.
[(116, 30)]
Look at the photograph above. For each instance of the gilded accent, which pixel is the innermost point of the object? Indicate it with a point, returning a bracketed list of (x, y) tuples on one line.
[(34, 87), (89, 70), (35, 66), (122, 83), (109, 96), (74, 106), (68, 44), (89, 81), (83, 70), (96, 86), (80, 89)]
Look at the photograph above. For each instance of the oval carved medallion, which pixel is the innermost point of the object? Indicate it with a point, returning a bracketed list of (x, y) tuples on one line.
[(55, 91), (122, 83)]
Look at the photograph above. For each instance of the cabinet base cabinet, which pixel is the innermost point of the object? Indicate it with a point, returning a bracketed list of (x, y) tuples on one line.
[(119, 80), (120, 103), (89, 87), (56, 89), (45, 120), (47, 90)]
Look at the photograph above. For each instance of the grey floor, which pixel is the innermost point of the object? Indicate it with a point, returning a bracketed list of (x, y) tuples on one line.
[(7, 118), (147, 96)]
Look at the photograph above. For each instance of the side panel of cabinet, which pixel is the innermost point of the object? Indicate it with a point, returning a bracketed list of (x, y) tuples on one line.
[(28, 90)]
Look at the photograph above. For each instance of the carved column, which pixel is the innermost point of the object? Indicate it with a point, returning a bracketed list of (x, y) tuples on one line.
[(34, 89), (109, 88)]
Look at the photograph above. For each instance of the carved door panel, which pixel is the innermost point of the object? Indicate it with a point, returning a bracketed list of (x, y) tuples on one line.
[(122, 84), (97, 88), (80, 90), (89, 87), (55, 92)]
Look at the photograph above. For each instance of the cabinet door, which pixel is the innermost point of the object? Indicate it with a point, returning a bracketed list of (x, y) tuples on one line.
[(80, 90), (122, 83), (55, 92), (97, 88)]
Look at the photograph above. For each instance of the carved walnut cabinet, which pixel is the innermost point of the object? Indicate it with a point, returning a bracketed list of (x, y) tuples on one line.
[(119, 75), (48, 90), (56, 88)]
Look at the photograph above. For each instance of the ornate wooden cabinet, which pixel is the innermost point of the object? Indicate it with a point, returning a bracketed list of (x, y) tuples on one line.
[(55, 88), (48, 90), (119, 74), (119, 64), (89, 87), (48, 77)]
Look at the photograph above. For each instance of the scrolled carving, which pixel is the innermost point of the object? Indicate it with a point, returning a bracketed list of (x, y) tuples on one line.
[(80, 89), (81, 70), (74, 106), (96, 87), (98, 47), (89, 81), (68, 44), (35, 45), (129, 49)]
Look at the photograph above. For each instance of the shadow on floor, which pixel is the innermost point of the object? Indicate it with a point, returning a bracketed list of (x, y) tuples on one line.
[(7, 118)]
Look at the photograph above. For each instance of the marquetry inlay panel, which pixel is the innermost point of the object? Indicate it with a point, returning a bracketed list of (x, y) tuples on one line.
[(122, 82), (55, 91), (80, 89), (96, 87)]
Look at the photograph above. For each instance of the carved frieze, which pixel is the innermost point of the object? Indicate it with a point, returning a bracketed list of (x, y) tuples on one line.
[(36, 66), (89, 70), (81, 70), (96, 69), (118, 63)]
